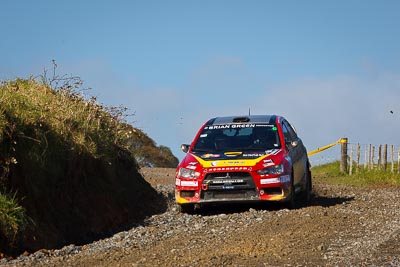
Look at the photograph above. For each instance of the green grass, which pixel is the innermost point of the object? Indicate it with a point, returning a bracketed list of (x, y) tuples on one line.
[(86, 125), (330, 173), (42, 125), (38, 125), (13, 219)]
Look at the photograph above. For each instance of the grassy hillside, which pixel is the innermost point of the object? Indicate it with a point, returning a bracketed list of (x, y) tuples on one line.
[(67, 166)]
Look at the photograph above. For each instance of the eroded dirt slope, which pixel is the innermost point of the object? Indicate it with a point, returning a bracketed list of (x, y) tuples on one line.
[(342, 226)]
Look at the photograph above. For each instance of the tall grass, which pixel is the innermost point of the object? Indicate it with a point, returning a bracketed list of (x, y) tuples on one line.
[(13, 219), (330, 172), (34, 116), (83, 123)]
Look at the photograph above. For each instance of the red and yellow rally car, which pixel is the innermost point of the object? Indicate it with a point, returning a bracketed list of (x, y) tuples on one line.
[(240, 159)]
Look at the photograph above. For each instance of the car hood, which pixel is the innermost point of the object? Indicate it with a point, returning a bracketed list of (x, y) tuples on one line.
[(197, 161)]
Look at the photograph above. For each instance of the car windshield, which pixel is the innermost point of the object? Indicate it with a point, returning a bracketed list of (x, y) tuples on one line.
[(237, 137)]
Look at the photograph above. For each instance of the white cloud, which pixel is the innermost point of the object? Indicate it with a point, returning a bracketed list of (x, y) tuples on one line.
[(324, 110)]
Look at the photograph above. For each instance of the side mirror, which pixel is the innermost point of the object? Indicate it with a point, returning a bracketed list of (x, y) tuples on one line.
[(292, 144), (185, 148)]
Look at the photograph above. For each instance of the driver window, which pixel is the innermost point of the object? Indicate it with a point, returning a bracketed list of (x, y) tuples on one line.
[(286, 133)]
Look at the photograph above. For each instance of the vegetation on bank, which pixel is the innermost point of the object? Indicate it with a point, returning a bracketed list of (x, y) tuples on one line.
[(330, 172), (44, 121)]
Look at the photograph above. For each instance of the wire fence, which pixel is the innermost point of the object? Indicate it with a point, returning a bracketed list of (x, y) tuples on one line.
[(327, 156), (361, 156), (373, 157)]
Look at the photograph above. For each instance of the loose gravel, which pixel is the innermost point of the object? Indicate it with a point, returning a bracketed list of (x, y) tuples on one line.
[(342, 226)]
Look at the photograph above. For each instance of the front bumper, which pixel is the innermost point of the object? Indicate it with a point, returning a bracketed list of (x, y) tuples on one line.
[(233, 187)]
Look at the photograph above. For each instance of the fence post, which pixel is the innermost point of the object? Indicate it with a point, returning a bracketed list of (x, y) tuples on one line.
[(343, 155), (398, 161), (380, 157), (392, 154), (366, 157), (373, 158), (351, 160), (385, 157), (358, 157), (369, 157)]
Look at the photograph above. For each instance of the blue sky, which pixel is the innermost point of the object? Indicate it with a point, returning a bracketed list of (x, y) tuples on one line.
[(331, 67)]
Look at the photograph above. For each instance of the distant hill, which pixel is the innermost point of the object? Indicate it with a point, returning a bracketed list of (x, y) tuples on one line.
[(69, 167)]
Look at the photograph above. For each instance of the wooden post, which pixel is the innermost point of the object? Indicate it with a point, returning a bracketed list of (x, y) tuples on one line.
[(351, 160), (366, 157), (380, 157), (369, 157), (385, 157), (398, 161), (343, 156), (392, 157), (373, 158), (358, 157)]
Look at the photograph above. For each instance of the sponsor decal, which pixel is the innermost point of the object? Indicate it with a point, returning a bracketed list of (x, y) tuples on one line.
[(189, 183), (245, 162), (232, 154), (265, 125), (177, 182), (270, 181), (230, 126), (268, 162), (285, 179), (203, 135), (247, 125), (234, 162), (193, 163), (254, 155), (228, 187), (272, 151), (229, 169), (230, 181)]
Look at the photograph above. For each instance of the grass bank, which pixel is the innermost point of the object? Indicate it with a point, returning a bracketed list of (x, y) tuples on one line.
[(330, 173), (68, 168)]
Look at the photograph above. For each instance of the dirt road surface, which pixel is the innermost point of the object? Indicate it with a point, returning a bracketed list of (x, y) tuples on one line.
[(342, 226)]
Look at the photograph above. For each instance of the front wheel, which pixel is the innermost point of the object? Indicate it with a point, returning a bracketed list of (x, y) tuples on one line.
[(307, 191), (291, 200)]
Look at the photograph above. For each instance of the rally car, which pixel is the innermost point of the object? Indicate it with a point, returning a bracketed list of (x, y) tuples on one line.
[(243, 159)]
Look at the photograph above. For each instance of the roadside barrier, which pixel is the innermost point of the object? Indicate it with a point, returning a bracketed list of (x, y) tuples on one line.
[(320, 149), (370, 154)]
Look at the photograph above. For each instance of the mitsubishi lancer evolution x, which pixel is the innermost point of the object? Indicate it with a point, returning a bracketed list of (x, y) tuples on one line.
[(243, 159)]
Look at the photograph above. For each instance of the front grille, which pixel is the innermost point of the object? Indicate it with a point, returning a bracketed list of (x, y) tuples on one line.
[(229, 186), (229, 181), (230, 195)]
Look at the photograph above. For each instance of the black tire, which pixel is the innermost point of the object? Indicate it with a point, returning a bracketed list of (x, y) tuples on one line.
[(306, 195), (186, 208), (291, 200)]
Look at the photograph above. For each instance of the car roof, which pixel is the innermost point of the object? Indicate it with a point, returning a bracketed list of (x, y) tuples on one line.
[(269, 119)]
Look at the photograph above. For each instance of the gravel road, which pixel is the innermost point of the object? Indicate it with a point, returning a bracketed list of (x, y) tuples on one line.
[(342, 226)]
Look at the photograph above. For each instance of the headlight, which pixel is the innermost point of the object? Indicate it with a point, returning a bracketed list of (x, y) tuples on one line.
[(277, 169), (186, 173)]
